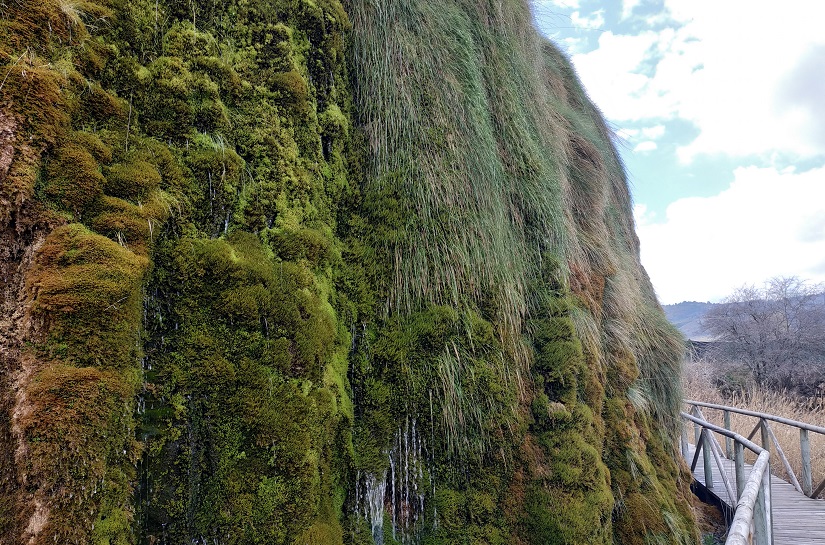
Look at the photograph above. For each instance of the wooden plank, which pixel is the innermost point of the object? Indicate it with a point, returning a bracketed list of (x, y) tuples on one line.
[(797, 519)]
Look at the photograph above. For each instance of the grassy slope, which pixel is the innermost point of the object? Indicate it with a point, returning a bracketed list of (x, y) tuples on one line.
[(516, 213), (226, 332)]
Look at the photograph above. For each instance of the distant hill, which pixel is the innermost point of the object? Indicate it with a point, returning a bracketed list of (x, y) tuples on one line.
[(687, 316)]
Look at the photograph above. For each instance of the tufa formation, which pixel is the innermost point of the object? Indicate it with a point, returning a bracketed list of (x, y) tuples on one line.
[(320, 272)]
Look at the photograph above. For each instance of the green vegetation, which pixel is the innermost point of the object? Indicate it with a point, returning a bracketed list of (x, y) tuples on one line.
[(514, 206), (323, 273)]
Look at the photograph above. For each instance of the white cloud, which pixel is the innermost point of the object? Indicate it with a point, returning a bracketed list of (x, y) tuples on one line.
[(766, 223), (628, 6), (642, 139), (642, 215), (734, 101), (647, 145), (613, 76), (722, 66), (594, 20), (573, 44), (655, 132), (749, 81)]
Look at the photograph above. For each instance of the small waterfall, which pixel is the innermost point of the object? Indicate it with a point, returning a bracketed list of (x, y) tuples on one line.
[(375, 492), (370, 492), (398, 492)]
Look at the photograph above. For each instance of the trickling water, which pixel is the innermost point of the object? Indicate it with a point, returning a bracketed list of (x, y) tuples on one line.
[(392, 494), (375, 490), (398, 491)]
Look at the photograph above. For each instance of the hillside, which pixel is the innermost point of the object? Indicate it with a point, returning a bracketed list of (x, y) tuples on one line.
[(302, 271), (687, 317)]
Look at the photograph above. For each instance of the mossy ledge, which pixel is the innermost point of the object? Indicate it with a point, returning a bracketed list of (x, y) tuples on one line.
[(310, 271)]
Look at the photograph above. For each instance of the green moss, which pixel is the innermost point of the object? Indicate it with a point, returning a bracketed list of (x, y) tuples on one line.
[(217, 170), (86, 290), (134, 226), (310, 244), (167, 111), (81, 451), (322, 534), (98, 104), (133, 181), (94, 145), (570, 500), (568, 516), (292, 89), (249, 345), (73, 179)]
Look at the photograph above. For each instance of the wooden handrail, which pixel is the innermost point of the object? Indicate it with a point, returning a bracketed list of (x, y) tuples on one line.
[(766, 416), (749, 508), (750, 445), (753, 506), (804, 484)]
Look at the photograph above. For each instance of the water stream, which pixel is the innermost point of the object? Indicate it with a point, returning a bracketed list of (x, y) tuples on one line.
[(398, 491)]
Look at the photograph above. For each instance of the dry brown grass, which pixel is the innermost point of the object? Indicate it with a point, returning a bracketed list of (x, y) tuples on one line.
[(698, 386)]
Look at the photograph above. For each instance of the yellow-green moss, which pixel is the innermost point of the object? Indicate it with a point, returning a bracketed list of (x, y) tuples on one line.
[(81, 452), (134, 180), (85, 288), (73, 178)]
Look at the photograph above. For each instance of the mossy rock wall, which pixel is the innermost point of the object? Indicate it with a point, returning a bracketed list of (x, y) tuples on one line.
[(302, 271)]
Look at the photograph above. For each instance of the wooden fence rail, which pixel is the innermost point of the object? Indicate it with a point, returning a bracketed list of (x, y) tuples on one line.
[(769, 442), (753, 520)]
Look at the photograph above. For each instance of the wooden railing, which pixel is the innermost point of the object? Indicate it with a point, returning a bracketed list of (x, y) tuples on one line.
[(753, 520), (769, 442)]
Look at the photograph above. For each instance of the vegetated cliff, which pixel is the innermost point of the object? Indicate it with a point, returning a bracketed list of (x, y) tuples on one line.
[(292, 271)]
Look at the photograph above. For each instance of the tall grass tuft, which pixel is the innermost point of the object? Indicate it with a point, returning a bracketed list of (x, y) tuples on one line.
[(500, 193), (498, 158)]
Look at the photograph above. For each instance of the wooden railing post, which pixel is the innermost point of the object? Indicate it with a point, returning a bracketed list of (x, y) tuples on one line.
[(706, 454), (760, 520), (763, 429), (739, 462), (728, 440), (768, 500), (697, 430), (805, 448), (684, 439)]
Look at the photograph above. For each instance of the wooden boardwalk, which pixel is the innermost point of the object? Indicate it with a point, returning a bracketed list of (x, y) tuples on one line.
[(797, 519)]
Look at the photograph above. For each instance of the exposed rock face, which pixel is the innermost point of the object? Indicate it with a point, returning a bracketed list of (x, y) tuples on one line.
[(21, 235), (308, 272)]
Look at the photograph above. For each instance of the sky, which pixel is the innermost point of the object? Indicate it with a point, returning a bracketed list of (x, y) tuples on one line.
[(719, 111)]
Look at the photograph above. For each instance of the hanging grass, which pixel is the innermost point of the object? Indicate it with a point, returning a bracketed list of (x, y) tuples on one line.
[(513, 201)]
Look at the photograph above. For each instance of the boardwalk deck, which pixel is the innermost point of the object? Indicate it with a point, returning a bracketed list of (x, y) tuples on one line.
[(797, 519)]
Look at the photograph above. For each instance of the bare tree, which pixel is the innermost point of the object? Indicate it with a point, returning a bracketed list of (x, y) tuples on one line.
[(777, 331)]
